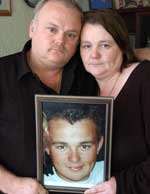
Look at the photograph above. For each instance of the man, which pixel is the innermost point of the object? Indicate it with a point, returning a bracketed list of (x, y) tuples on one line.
[(38, 69), (74, 140)]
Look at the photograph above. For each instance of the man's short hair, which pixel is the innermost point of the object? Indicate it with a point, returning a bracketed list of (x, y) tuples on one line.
[(68, 3), (78, 112)]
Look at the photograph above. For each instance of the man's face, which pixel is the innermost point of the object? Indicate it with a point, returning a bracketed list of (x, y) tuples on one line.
[(55, 34), (73, 148)]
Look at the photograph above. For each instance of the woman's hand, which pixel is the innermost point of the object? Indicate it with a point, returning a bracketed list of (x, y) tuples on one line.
[(107, 187)]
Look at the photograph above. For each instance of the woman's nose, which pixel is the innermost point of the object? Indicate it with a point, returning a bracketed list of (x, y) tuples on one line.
[(95, 53)]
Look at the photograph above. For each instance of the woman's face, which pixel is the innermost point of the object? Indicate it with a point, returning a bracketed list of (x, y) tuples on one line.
[(99, 52)]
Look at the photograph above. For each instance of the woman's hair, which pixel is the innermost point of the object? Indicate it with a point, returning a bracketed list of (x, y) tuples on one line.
[(68, 3), (115, 26)]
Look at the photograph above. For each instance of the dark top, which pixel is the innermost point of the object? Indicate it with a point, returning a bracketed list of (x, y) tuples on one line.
[(131, 133), (18, 87)]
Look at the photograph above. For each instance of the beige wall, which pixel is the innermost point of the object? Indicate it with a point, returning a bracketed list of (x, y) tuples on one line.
[(84, 4), (14, 28)]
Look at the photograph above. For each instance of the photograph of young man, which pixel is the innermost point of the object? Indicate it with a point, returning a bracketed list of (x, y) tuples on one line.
[(74, 139)]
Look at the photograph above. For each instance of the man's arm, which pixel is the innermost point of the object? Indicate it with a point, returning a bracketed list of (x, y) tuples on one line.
[(11, 184), (142, 53)]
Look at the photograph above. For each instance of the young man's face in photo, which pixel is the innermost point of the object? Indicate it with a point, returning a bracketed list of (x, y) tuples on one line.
[(73, 148)]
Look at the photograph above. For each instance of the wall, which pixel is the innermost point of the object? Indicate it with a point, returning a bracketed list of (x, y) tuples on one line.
[(14, 28), (84, 4)]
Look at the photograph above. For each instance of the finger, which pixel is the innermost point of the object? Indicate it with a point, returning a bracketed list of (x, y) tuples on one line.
[(95, 190), (44, 191)]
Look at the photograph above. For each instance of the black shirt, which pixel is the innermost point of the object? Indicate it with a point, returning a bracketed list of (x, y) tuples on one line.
[(131, 133), (18, 86)]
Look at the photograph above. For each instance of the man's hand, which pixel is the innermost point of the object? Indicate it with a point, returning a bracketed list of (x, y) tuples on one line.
[(27, 186), (12, 184), (107, 187)]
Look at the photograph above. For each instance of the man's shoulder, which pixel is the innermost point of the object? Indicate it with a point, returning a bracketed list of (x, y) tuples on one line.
[(15, 58), (10, 57), (10, 61)]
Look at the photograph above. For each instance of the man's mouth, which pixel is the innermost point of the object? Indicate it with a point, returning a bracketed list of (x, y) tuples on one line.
[(75, 168), (57, 49)]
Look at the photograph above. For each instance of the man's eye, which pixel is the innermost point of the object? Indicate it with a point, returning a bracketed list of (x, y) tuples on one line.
[(60, 147), (85, 147), (52, 29), (71, 35)]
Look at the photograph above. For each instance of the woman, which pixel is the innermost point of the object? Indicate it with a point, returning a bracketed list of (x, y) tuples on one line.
[(107, 55)]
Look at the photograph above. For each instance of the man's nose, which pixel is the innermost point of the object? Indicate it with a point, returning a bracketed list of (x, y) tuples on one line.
[(60, 38), (74, 156)]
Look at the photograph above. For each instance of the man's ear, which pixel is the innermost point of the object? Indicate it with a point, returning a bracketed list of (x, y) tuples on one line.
[(100, 143), (46, 141), (32, 28)]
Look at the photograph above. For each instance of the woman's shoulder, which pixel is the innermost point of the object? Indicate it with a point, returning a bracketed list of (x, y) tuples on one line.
[(144, 64), (137, 71), (143, 68), (128, 70), (139, 67)]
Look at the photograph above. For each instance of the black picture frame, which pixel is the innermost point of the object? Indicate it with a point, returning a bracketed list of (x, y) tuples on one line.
[(45, 107)]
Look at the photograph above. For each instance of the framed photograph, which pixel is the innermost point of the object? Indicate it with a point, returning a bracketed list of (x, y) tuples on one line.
[(100, 4), (5, 7), (73, 141)]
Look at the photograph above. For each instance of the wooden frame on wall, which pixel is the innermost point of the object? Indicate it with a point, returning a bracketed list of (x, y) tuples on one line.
[(5, 7)]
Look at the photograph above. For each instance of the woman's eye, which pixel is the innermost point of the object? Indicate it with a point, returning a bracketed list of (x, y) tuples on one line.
[(85, 46), (105, 46)]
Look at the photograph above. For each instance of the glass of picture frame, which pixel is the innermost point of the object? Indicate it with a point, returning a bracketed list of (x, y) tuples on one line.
[(73, 136)]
